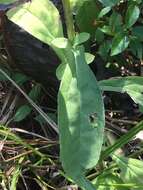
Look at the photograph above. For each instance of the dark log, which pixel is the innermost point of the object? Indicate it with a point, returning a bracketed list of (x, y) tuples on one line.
[(30, 55)]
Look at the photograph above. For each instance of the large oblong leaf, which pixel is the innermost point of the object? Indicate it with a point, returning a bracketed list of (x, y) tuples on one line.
[(81, 119), (39, 18)]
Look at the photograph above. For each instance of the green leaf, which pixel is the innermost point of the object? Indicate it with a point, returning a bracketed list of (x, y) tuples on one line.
[(42, 121), (109, 3), (22, 113), (39, 18), (141, 108), (138, 32), (76, 4), (35, 92), (136, 96), (61, 43), (86, 17), (107, 30), (60, 70), (132, 15), (20, 78), (99, 36), (89, 57), (131, 85), (137, 48), (104, 12), (81, 119), (131, 171), (119, 44), (104, 49), (115, 22), (16, 174), (81, 38), (109, 181)]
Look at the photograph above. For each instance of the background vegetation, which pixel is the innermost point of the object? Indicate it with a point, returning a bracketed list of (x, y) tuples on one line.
[(111, 32)]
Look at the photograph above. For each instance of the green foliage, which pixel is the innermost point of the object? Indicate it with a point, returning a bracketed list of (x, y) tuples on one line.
[(20, 78), (109, 181), (89, 57), (116, 29), (119, 44), (118, 22), (109, 3), (16, 175), (132, 15), (122, 140), (137, 31), (22, 113), (9, 135), (60, 70), (131, 171), (25, 110), (81, 38), (80, 125), (35, 92), (85, 20), (76, 120), (130, 85), (40, 21), (129, 178)]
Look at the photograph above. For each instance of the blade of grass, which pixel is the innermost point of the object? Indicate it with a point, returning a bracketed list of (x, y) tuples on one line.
[(16, 175), (122, 141), (30, 133), (7, 132), (37, 108)]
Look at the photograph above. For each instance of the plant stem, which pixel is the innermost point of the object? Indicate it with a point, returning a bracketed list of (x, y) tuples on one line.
[(69, 19)]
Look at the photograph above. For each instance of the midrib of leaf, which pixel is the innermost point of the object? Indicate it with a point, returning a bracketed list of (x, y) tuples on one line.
[(82, 106), (80, 116), (80, 111)]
